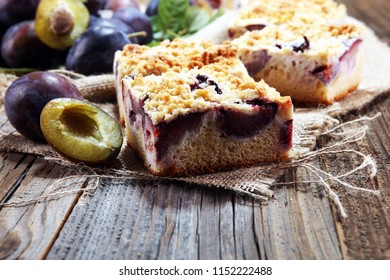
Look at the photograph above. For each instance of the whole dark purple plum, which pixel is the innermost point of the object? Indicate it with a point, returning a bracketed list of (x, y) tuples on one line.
[(14, 11), (21, 47), (26, 97), (93, 52), (137, 21)]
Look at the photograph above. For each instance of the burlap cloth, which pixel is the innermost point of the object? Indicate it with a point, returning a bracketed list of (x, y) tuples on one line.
[(258, 181)]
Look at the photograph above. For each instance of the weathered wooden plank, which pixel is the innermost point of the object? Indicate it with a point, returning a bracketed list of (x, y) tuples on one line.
[(244, 234), (13, 168), (27, 232), (374, 13), (96, 220), (168, 222), (366, 231), (297, 225), (208, 226), (180, 237)]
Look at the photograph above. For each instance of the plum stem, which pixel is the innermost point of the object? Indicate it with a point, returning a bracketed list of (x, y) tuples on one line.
[(135, 34)]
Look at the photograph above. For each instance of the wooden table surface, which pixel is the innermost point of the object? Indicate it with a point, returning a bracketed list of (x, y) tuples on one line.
[(123, 219)]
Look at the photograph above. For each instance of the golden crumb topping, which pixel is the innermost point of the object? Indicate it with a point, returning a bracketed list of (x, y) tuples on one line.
[(212, 87), (321, 38), (175, 55), (275, 12), (281, 11)]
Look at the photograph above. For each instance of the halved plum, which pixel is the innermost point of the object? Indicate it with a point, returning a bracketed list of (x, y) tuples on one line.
[(27, 95), (81, 131), (58, 23)]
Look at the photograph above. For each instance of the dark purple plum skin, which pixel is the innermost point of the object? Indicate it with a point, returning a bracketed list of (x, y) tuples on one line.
[(327, 73), (286, 135), (94, 6), (152, 8), (257, 62), (137, 21), (113, 23), (171, 133), (26, 97), (93, 52), (297, 46), (14, 11), (236, 124), (22, 48), (252, 27)]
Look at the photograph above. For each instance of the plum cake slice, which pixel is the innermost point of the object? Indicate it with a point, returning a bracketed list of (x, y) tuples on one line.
[(311, 63), (204, 120), (175, 55)]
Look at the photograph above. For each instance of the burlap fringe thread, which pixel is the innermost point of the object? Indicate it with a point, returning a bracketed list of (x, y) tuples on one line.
[(349, 136)]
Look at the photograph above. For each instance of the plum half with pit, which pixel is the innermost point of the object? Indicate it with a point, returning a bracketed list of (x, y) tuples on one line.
[(58, 23), (26, 97), (81, 131), (93, 52)]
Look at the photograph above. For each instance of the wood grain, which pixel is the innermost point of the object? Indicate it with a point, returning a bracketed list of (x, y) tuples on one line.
[(367, 229), (13, 168), (375, 13), (26, 232), (185, 222)]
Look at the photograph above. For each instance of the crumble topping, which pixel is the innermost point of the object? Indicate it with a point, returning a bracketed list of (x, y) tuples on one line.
[(172, 94), (320, 40), (275, 12), (175, 55)]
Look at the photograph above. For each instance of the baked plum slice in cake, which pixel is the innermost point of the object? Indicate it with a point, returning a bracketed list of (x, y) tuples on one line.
[(319, 64), (178, 54), (205, 120)]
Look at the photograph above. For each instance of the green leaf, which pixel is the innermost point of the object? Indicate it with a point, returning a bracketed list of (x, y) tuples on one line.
[(172, 15), (176, 18), (153, 43), (197, 19)]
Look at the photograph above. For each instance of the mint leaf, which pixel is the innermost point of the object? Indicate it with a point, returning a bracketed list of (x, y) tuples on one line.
[(172, 16), (177, 18)]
